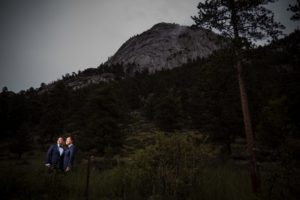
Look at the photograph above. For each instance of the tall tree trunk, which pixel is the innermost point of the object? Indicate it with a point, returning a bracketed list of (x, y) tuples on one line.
[(244, 101), (248, 130)]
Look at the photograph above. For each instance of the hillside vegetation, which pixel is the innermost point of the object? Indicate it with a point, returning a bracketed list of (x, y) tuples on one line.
[(173, 134)]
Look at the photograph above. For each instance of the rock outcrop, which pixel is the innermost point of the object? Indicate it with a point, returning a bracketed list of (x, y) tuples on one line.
[(166, 46)]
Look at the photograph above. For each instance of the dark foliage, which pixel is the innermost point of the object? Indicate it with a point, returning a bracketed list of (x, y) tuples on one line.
[(202, 94)]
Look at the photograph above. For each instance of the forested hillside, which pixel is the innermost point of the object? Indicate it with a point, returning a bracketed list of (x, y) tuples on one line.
[(201, 96)]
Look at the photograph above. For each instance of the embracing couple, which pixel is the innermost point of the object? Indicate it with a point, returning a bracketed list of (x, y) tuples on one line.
[(60, 156)]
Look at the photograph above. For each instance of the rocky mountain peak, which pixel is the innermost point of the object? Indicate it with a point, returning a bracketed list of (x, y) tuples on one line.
[(165, 46)]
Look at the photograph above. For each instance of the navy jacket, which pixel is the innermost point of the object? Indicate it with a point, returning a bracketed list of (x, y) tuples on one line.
[(54, 158), (69, 157)]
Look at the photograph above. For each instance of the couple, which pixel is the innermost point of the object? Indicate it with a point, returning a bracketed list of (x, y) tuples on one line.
[(60, 156)]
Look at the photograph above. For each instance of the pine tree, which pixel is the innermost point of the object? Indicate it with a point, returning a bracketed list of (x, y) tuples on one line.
[(102, 120), (243, 22), (296, 10)]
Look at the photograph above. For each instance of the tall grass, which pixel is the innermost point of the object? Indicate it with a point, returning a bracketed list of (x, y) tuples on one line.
[(227, 182), (29, 181), (174, 168)]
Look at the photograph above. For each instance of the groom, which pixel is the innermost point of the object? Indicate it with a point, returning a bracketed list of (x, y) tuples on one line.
[(69, 154), (55, 155)]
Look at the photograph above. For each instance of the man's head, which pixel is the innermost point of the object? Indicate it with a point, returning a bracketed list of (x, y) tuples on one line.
[(60, 141), (69, 140)]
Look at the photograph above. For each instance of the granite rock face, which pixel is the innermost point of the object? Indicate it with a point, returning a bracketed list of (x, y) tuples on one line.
[(166, 46)]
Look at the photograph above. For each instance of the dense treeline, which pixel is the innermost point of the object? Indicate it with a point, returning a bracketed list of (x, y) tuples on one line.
[(202, 95)]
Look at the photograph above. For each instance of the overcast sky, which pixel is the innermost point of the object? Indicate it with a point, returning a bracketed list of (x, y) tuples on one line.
[(41, 40)]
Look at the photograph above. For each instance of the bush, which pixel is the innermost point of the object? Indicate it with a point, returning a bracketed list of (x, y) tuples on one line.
[(169, 169)]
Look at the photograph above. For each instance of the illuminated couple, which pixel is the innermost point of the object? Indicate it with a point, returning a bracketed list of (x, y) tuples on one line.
[(60, 156)]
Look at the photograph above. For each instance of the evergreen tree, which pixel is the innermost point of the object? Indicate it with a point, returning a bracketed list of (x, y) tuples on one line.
[(296, 10), (102, 116), (168, 112), (243, 22), (22, 141), (275, 120), (214, 101), (55, 105)]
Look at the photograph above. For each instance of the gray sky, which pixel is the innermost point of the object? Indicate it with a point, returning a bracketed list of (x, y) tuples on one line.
[(41, 40)]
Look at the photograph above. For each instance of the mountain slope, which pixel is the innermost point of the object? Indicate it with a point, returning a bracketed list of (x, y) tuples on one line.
[(166, 46)]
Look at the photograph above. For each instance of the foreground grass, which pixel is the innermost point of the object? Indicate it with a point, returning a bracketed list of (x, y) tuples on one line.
[(30, 181), (139, 179), (227, 182), (172, 167)]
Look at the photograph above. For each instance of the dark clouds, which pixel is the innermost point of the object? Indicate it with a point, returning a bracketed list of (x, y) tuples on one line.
[(43, 39)]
